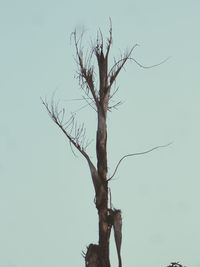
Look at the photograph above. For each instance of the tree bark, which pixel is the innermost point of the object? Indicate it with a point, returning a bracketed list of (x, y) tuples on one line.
[(102, 194)]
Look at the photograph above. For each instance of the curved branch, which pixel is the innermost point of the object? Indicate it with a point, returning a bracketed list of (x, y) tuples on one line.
[(76, 140), (122, 59), (151, 66), (136, 154), (116, 68), (79, 132)]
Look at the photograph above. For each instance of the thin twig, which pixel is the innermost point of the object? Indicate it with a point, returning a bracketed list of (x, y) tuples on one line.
[(115, 70), (115, 106), (86, 71), (82, 107), (122, 59), (76, 99), (90, 103), (149, 67), (136, 154)]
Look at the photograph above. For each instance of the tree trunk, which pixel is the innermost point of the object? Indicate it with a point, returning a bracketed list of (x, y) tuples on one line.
[(102, 193)]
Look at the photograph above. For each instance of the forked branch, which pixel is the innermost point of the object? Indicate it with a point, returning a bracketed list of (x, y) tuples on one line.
[(116, 68), (75, 133), (85, 69), (136, 154)]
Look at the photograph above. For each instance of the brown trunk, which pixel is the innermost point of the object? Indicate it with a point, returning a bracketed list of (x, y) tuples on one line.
[(102, 194), (98, 255), (101, 150), (92, 256), (102, 168), (104, 235)]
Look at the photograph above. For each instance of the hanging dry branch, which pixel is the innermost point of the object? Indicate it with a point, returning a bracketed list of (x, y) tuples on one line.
[(117, 226), (151, 66), (75, 134), (136, 154), (116, 68)]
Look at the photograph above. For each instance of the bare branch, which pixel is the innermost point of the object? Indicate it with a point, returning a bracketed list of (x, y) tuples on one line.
[(90, 103), (136, 154), (109, 39), (82, 107), (86, 70), (73, 152), (77, 139), (151, 66), (115, 70), (115, 106), (77, 99), (113, 94)]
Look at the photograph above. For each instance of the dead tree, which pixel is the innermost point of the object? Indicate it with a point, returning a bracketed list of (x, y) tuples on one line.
[(97, 255)]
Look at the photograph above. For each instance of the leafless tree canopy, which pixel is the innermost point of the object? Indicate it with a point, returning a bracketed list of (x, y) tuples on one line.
[(96, 81)]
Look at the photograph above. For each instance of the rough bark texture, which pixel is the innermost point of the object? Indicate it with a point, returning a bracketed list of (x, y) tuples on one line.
[(92, 256), (101, 152)]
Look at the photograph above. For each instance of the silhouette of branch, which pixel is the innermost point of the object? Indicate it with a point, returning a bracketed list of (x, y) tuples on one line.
[(84, 106), (74, 132), (115, 106), (86, 70), (136, 154), (113, 94), (109, 39), (75, 135), (90, 103), (151, 66), (116, 68)]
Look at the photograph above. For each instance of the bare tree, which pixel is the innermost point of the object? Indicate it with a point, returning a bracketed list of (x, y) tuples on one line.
[(98, 96)]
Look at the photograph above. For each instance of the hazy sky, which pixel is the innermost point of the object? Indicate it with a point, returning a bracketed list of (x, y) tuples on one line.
[(47, 214)]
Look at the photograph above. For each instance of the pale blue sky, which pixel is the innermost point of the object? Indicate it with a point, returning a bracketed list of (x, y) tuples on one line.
[(46, 197)]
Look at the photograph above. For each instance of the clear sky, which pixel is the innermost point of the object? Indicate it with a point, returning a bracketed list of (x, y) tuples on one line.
[(47, 214)]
